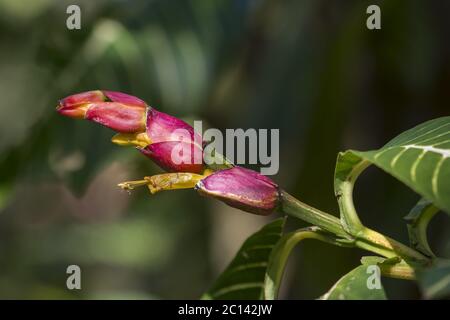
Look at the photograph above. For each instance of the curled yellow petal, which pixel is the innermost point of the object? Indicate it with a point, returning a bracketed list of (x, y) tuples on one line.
[(140, 139), (165, 181), (131, 185), (173, 181)]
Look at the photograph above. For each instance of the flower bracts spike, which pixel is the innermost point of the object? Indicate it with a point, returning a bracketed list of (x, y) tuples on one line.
[(170, 142), (173, 145), (126, 114)]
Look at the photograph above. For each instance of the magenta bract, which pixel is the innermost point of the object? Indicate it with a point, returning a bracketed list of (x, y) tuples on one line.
[(130, 115), (174, 156), (164, 127), (124, 98), (243, 189), (74, 106), (117, 116)]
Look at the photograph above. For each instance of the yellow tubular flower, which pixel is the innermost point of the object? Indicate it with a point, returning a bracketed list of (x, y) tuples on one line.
[(167, 181)]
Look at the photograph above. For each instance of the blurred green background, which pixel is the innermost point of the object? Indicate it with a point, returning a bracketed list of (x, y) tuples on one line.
[(310, 68)]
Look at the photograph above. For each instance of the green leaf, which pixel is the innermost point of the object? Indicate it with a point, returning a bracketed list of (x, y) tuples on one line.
[(435, 281), (244, 276), (281, 252), (418, 219), (358, 284), (419, 157)]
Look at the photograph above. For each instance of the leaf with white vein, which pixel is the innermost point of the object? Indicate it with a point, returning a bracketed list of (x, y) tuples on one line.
[(419, 157), (244, 276)]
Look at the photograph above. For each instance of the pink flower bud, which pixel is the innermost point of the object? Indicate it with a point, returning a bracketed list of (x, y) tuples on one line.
[(158, 135), (115, 110), (124, 98), (75, 106), (164, 127), (174, 156), (117, 116), (243, 189)]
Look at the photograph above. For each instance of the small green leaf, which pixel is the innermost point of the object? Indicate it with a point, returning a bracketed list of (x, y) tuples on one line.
[(418, 219), (281, 252), (362, 283), (435, 281), (244, 276)]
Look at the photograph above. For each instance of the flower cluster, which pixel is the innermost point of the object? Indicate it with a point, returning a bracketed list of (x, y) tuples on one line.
[(154, 133), (174, 146)]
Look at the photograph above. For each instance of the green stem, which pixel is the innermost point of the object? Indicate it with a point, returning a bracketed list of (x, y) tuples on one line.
[(418, 220), (397, 248), (400, 271), (367, 239), (353, 225), (298, 209), (281, 253), (344, 193)]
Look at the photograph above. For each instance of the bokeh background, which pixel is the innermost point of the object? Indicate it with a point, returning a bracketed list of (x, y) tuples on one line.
[(310, 68)]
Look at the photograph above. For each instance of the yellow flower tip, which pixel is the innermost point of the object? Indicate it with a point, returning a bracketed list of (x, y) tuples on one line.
[(131, 185), (172, 181), (77, 112), (165, 181), (140, 139)]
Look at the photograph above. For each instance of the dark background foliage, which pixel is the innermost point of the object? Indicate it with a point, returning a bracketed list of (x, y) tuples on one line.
[(310, 68)]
